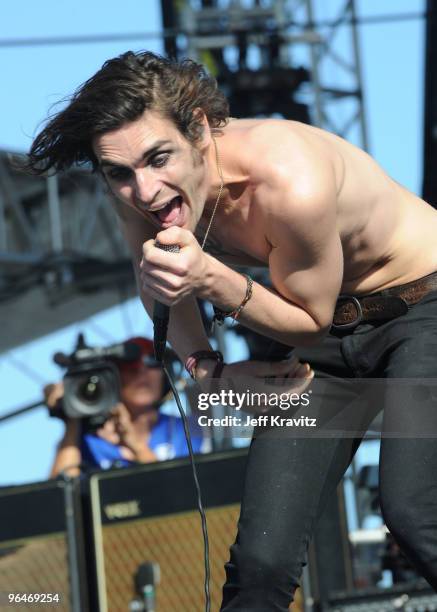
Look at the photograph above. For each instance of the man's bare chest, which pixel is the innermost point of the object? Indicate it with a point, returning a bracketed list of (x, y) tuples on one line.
[(238, 253), (237, 237)]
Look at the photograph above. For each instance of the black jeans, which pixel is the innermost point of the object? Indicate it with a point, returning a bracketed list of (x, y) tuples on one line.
[(288, 480)]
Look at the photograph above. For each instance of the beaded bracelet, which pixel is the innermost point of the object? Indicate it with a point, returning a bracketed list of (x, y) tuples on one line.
[(220, 315)]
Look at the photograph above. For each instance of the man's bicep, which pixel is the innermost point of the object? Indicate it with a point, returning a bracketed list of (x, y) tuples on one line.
[(306, 265)]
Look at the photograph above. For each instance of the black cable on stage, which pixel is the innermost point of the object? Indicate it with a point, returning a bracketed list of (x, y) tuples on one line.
[(199, 495)]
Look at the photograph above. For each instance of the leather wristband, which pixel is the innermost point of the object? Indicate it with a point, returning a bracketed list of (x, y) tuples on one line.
[(194, 358)]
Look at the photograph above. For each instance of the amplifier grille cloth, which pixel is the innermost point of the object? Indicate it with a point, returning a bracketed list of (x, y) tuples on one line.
[(176, 543), (38, 565)]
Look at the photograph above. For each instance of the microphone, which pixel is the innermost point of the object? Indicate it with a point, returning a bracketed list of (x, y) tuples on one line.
[(161, 313), (146, 579)]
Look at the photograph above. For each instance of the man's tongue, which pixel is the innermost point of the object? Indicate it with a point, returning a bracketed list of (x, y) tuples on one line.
[(171, 211)]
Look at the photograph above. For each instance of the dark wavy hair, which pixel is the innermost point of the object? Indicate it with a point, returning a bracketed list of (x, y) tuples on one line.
[(120, 92)]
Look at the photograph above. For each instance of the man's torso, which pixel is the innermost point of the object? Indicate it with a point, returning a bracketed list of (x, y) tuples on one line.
[(387, 233)]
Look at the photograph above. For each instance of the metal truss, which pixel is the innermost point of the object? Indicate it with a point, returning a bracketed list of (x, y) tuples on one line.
[(59, 240), (321, 35)]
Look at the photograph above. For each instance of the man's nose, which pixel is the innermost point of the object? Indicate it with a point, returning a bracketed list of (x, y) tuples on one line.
[(147, 187)]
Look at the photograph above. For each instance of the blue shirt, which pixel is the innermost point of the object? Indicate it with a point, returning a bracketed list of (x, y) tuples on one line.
[(167, 441)]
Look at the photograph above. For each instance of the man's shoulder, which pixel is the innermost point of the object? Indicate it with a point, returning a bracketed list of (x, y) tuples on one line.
[(282, 142), (271, 132), (287, 157), (268, 134)]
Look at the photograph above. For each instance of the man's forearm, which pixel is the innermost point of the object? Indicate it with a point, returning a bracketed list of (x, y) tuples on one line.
[(186, 332), (267, 312)]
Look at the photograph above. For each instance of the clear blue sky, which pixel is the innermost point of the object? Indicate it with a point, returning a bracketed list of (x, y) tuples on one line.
[(34, 78)]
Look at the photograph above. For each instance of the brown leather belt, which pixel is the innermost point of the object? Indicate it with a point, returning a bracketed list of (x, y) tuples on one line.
[(386, 304)]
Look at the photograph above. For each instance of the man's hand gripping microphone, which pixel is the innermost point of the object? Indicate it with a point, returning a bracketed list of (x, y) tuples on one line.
[(161, 314)]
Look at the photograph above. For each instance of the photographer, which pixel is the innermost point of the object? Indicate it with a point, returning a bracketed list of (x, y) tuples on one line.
[(136, 430)]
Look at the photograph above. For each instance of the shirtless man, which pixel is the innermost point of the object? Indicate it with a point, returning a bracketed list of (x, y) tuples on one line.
[(325, 220)]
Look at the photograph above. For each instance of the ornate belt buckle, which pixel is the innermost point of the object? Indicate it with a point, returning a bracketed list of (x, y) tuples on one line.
[(355, 322)]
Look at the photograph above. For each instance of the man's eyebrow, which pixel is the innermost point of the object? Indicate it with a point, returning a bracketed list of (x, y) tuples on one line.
[(159, 143)]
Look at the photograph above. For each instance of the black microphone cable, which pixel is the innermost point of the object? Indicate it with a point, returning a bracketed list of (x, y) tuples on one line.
[(196, 482), (161, 315)]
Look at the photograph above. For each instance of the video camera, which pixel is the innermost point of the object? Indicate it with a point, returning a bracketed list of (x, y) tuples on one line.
[(92, 381)]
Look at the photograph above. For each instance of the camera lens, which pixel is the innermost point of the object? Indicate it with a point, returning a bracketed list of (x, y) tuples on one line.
[(90, 390)]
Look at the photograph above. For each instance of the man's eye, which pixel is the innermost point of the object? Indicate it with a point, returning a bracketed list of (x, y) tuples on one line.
[(158, 161), (118, 174)]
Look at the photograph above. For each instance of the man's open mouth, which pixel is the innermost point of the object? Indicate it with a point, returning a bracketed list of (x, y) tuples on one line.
[(171, 211)]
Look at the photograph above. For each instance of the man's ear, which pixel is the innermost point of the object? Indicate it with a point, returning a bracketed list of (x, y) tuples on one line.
[(205, 130)]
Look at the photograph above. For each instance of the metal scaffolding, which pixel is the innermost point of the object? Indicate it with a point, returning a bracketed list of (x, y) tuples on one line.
[(224, 34), (62, 257)]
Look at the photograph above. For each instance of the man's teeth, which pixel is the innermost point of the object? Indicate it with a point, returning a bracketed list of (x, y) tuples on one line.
[(162, 207), (165, 205)]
